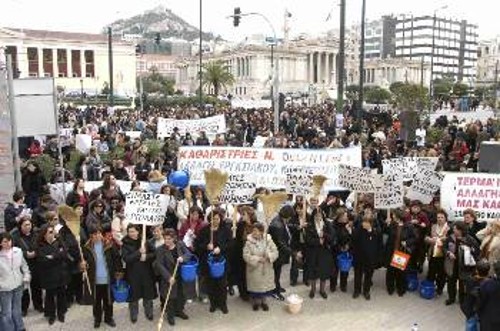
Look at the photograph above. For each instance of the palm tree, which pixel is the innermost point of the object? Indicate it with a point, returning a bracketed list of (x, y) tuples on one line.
[(217, 75)]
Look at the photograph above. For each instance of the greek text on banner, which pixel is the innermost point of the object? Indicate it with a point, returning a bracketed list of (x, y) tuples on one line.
[(269, 166)]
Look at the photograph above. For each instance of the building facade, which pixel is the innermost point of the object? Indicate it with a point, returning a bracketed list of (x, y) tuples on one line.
[(384, 72), (451, 44), (301, 64), (488, 62), (77, 61)]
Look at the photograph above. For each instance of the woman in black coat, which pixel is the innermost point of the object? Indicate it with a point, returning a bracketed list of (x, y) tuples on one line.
[(51, 261), (24, 237), (139, 273), (366, 247), (213, 239), (401, 237), (167, 256), (33, 183), (319, 239), (343, 236)]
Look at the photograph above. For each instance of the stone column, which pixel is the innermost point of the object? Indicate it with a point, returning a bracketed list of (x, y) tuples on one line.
[(69, 64), (22, 60), (55, 67), (318, 68), (82, 65), (39, 55), (310, 72), (328, 68)]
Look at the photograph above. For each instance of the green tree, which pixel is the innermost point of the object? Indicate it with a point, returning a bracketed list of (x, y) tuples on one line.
[(410, 96), (376, 94), (351, 92), (443, 86), (217, 75), (460, 89), (154, 82)]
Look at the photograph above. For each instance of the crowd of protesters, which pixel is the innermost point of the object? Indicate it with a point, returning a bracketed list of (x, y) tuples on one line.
[(41, 263)]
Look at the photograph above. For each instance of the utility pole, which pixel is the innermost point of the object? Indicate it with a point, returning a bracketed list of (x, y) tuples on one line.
[(362, 62), (13, 125), (495, 89), (422, 71), (200, 73), (341, 61), (110, 66)]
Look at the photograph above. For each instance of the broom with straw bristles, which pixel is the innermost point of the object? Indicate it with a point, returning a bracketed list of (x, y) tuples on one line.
[(215, 180), (73, 223), (271, 203), (317, 185)]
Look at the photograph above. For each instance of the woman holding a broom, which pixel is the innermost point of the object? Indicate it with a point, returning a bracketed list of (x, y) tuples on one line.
[(167, 256), (213, 239)]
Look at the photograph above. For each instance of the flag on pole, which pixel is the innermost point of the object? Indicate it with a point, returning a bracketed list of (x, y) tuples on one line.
[(329, 16), (287, 13)]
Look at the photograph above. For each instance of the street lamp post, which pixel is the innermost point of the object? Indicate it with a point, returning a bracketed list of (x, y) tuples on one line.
[(431, 84), (81, 90), (274, 68), (361, 62), (495, 87), (341, 61), (200, 72)]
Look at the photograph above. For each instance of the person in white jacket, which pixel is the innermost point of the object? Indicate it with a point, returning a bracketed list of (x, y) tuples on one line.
[(14, 276)]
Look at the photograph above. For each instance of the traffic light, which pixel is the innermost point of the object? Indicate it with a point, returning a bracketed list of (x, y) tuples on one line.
[(138, 49), (237, 16), (158, 38)]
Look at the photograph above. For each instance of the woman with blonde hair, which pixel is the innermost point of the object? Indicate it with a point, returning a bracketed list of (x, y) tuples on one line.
[(490, 243), (435, 240)]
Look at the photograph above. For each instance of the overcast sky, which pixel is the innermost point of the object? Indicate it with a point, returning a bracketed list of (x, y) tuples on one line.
[(307, 15)]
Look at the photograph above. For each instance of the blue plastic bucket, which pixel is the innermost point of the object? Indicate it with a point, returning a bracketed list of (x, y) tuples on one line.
[(120, 290), (344, 261), (427, 289), (412, 281), (189, 269), (216, 266)]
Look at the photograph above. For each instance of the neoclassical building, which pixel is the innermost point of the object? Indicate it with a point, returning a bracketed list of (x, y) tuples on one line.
[(75, 60), (300, 66)]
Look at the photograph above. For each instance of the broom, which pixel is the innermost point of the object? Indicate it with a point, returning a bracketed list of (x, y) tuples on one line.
[(317, 185), (271, 203), (215, 180), (171, 285), (73, 223)]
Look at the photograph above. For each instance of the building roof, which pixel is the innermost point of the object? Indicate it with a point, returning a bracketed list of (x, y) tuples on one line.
[(63, 35)]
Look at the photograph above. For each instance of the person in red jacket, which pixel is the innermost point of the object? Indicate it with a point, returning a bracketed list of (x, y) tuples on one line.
[(35, 149), (190, 229), (421, 224)]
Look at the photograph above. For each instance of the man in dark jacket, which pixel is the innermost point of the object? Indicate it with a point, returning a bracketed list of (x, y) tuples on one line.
[(489, 301), (13, 211), (103, 263), (280, 234)]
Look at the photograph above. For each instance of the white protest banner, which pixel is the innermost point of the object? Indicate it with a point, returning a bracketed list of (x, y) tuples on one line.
[(66, 132), (479, 191), (210, 125), (407, 167), (426, 183), (146, 208), (358, 179), (299, 180), (391, 193), (133, 134), (239, 190), (339, 121), (266, 164), (83, 142), (56, 190)]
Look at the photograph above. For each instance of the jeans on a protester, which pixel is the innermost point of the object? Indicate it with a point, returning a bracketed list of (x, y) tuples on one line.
[(11, 312)]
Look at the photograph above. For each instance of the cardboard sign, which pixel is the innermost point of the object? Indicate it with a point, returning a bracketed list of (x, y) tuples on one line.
[(425, 185), (210, 125), (391, 193), (146, 208), (299, 180), (239, 190), (359, 179), (407, 167), (479, 191), (267, 165)]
